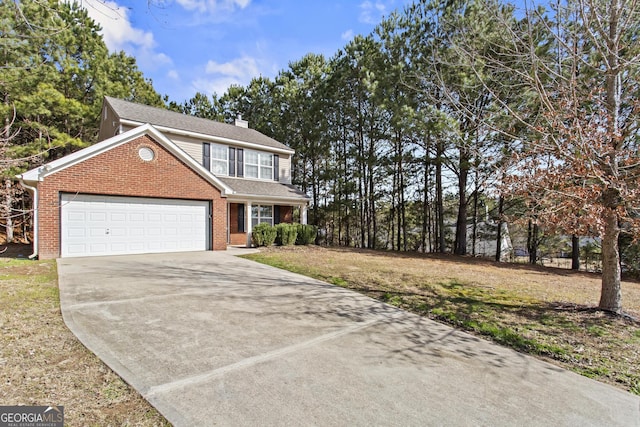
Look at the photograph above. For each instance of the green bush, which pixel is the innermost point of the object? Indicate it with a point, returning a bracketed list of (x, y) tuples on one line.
[(263, 235), (306, 234), (286, 234)]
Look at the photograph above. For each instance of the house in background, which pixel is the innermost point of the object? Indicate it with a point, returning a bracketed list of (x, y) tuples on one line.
[(161, 181)]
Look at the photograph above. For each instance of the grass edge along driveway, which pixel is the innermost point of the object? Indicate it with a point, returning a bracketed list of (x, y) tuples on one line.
[(43, 363), (547, 313)]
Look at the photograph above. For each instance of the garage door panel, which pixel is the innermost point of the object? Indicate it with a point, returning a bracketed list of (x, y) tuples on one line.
[(112, 225), (118, 216), (155, 247), (97, 216), (98, 248), (77, 216), (97, 231), (171, 246), (77, 232), (118, 231), (75, 249), (154, 232), (187, 232), (153, 217), (118, 247)]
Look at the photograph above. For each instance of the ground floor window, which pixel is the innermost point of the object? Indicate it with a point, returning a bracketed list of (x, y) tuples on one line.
[(261, 213)]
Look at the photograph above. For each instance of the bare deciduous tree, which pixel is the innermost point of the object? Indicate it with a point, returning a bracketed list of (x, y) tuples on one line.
[(578, 66)]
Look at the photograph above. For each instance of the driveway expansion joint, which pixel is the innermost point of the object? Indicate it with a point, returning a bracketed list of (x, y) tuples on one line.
[(251, 361)]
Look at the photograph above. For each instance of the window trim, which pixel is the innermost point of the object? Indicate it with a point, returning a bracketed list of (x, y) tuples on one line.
[(259, 217), (261, 169), (223, 149)]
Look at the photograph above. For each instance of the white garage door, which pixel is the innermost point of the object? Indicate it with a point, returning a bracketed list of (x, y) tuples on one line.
[(107, 225)]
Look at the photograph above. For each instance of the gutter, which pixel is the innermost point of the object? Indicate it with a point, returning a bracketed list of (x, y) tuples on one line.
[(33, 191), (238, 197)]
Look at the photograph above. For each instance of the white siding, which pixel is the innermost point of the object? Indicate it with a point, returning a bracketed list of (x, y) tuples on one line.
[(285, 169), (191, 146), (108, 124)]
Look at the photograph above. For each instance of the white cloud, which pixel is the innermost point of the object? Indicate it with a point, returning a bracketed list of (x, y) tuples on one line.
[(211, 6), (219, 76), (173, 74), (217, 85), (119, 34), (347, 35), (244, 68), (372, 12)]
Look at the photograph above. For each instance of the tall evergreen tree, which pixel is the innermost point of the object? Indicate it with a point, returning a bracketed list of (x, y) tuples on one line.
[(56, 71)]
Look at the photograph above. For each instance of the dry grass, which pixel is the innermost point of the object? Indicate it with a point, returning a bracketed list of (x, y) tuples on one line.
[(545, 312), (44, 364)]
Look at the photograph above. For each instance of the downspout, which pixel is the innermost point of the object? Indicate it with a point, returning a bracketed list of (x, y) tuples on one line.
[(33, 191)]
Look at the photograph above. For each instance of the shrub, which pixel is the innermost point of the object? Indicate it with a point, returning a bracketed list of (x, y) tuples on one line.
[(286, 234), (263, 235), (306, 234)]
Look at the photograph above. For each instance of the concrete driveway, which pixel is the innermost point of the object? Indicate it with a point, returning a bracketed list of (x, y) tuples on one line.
[(211, 339)]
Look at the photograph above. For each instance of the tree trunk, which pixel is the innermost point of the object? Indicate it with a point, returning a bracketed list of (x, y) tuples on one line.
[(474, 232), (499, 237), (532, 242), (461, 223), (403, 214), (575, 252), (347, 200), (372, 224), (396, 200), (315, 191), (611, 296), (439, 201), (425, 205), (8, 208), (392, 216)]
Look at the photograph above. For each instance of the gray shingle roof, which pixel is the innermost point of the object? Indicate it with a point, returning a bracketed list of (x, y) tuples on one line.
[(159, 117), (247, 187)]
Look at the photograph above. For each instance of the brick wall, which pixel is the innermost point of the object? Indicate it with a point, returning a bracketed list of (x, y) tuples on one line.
[(120, 171), (235, 237)]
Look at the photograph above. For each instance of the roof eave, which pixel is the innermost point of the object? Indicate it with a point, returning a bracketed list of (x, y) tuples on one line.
[(272, 199), (213, 138)]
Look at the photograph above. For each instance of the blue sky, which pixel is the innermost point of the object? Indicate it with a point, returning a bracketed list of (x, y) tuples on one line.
[(186, 46)]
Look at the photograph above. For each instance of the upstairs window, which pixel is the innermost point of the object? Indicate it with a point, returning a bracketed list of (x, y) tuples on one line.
[(219, 159), (258, 165)]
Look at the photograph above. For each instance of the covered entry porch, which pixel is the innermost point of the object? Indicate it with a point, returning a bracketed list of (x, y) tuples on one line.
[(245, 215), (254, 201)]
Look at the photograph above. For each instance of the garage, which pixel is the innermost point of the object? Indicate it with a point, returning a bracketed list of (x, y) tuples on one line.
[(134, 193), (94, 225)]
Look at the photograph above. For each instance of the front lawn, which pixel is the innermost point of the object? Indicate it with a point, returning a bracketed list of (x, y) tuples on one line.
[(541, 311)]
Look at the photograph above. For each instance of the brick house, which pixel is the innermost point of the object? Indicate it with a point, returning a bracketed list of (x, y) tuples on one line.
[(160, 181)]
